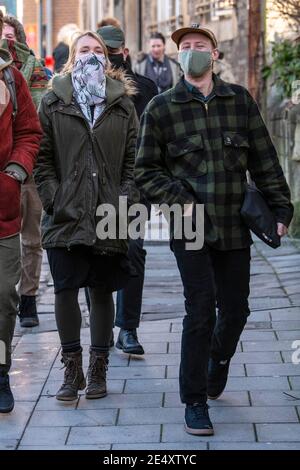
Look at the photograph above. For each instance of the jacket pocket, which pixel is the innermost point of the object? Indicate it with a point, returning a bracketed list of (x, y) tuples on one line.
[(10, 198), (65, 206), (186, 156), (236, 148)]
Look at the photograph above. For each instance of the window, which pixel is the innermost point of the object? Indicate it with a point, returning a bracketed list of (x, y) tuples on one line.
[(212, 10), (168, 16)]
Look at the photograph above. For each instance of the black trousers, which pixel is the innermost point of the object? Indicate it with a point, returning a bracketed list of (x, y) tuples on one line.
[(129, 299), (210, 278)]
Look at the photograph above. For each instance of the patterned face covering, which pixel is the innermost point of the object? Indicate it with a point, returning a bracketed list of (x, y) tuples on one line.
[(89, 85)]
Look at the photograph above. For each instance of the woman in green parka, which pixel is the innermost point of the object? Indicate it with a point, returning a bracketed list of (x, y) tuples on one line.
[(86, 159)]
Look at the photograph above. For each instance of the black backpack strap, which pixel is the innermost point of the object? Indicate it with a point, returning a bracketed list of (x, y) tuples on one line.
[(11, 85)]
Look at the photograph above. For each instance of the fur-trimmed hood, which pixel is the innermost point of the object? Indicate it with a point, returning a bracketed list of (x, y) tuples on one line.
[(18, 27), (117, 85), (121, 76)]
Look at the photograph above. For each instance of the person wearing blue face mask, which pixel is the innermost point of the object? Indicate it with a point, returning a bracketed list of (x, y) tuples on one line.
[(195, 145), (86, 160)]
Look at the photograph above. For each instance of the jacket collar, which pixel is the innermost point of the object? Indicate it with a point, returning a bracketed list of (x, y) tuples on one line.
[(63, 88), (5, 59), (181, 94), (22, 50)]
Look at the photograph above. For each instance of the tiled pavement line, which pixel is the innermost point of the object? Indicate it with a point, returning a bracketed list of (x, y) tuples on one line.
[(170, 326), (266, 259), (33, 410), (212, 444)]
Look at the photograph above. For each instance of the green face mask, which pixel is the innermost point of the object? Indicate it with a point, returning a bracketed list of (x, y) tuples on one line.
[(195, 63)]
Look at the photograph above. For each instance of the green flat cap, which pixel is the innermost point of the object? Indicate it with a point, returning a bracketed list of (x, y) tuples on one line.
[(112, 36)]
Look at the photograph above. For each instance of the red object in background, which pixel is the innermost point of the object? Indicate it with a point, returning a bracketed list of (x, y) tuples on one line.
[(49, 62), (31, 31)]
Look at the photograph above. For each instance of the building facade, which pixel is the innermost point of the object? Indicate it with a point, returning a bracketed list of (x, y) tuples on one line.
[(227, 18)]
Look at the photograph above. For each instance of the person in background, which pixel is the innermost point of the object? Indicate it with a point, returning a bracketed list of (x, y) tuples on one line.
[(160, 68), (20, 133), (64, 39), (118, 53), (111, 21), (33, 70), (86, 160), (129, 299)]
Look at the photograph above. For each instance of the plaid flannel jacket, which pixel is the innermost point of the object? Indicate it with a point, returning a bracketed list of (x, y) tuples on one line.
[(189, 151)]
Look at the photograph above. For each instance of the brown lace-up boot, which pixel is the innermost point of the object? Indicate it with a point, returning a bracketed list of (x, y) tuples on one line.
[(74, 379), (96, 375)]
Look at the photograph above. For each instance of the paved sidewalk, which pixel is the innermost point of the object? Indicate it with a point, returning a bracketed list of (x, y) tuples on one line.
[(259, 410)]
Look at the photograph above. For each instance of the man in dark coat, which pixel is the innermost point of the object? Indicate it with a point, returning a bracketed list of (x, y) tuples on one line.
[(129, 300)]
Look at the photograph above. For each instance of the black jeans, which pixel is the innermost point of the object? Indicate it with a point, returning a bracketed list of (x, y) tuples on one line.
[(129, 299), (210, 277)]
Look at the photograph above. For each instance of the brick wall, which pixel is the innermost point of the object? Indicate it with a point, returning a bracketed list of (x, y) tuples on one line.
[(64, 12), (67, 11)]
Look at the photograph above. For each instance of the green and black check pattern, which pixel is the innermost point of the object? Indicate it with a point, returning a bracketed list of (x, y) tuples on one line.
[(192, 152)]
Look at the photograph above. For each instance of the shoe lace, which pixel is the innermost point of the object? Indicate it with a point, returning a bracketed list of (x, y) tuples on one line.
[(97, 369), (200, 411), (71, 371), (132, 334)]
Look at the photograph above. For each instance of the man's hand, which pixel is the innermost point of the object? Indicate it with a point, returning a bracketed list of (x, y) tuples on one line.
[(282, 230)]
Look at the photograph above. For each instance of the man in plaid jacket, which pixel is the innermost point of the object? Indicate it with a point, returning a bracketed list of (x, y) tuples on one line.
[(195, 144)]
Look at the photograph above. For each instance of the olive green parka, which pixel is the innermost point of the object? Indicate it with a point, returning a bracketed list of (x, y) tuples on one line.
[(79, 168)]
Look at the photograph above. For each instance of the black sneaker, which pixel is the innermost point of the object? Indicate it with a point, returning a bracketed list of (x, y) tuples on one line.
[(6, 397), (27, 312), (128, 342), (217, 378), (197, 421)]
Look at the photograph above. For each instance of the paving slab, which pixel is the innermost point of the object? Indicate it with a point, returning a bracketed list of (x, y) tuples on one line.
[(143, 409)]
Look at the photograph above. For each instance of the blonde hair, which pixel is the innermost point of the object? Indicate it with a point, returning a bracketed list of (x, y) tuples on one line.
[(68, 68)]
